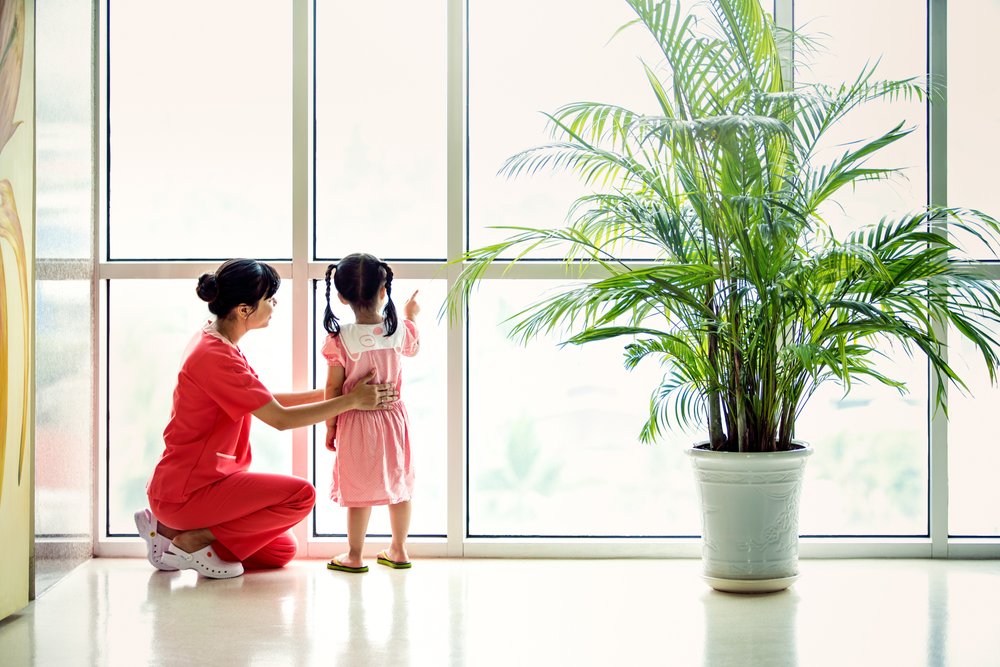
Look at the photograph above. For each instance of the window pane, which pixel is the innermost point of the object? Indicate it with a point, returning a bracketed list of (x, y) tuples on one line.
[(200, 136), (63, 423), (144, 355), (893, 31), (562, 55), (63, 115), (553, 435), (869, 471), (868, 474), (381, 121), (424, 390), (973, 457), (973, 100)]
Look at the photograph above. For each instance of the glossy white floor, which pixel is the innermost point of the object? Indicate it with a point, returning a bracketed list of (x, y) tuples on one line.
[(512, 612)]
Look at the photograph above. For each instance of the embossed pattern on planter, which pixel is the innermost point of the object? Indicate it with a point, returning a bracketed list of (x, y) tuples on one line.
[(750, 513)]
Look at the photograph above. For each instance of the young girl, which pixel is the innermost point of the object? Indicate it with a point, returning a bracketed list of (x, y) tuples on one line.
[(373, 448)]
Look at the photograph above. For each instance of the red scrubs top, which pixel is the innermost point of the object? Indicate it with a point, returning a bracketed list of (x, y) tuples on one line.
[(208, 436)]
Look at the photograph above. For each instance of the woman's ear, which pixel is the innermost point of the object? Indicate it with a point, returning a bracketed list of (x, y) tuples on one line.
[(381, 292), (244, 310), (342, 299)]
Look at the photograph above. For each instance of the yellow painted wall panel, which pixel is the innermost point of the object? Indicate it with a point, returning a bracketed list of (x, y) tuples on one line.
[(17, 215)]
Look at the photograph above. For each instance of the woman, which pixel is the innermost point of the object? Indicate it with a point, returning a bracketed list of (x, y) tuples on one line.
[(207, 512)]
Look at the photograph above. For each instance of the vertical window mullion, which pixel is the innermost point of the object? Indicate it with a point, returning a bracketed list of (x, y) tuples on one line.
[(301, 319), (784, 17), (937, 194), (98, 303), (456, 244)]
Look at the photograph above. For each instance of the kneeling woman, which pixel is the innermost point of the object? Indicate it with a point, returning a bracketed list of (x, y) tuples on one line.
[(207, 511)]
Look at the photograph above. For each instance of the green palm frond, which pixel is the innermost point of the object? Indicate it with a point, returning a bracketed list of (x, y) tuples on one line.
[(750, 301), (675, 401)]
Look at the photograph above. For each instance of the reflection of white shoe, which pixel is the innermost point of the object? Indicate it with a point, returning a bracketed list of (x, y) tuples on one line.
[(204, 561), (156, 544)]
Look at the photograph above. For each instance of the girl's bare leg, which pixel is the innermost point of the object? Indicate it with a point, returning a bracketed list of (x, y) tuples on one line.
[(399, 519), (357, 528)]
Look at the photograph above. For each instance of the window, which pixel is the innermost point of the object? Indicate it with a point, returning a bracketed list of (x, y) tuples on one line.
[(563, 55), (973, 126), (381, 153), (199, 141), (394, 147), (973, 98), (64, 322), (868, 475), (974, 499), (891, 38), (554, 435), (65, 118), (63, 409)]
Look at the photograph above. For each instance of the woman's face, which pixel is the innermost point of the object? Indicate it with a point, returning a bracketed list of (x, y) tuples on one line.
[(260, 318)]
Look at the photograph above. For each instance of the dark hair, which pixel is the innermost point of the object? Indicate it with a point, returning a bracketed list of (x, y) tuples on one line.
[(237, 281), (358, 278)]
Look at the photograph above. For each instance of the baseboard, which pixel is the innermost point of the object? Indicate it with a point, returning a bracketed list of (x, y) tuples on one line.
[(55, 557), (67, 547)]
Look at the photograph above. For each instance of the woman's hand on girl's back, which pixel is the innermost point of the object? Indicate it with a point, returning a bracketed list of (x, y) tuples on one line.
[(411, 308), (373, 396)]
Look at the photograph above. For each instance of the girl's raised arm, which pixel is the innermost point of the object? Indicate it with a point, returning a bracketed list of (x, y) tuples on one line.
[(411, 308)]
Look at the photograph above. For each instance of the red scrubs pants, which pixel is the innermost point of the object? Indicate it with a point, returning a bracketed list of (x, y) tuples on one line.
[(248, 512)]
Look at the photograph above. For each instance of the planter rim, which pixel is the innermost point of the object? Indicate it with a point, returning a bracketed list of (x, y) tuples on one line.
[(806, 450)]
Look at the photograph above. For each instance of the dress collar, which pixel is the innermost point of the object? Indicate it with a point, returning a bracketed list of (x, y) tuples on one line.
[(214, 333)]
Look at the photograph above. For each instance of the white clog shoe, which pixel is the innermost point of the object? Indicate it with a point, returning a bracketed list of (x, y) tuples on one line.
[(204, 561), (156, 544)]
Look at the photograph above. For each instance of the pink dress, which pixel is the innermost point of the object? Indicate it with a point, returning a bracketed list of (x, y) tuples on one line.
[(373, 465)]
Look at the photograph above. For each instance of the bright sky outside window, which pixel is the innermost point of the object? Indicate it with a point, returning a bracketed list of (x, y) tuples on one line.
[(201, 134)]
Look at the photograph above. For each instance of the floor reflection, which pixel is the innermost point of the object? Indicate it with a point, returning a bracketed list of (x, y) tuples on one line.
[(377, 618), (750, 629), (512, 612)]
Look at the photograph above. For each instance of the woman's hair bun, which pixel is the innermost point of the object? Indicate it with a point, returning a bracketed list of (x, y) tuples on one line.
[(208, 287)]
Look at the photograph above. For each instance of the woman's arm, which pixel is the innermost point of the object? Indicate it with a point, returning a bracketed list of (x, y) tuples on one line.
[(291, 398), (363, 396)]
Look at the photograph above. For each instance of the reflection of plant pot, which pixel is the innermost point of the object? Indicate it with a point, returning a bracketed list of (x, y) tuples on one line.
[(771, 639), (750, 517)]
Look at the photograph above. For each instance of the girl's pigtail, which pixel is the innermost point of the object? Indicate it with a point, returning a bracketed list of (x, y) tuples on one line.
[(389, 316), (330, 322)]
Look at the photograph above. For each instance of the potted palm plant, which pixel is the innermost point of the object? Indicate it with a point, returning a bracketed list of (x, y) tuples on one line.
[(752, 301)]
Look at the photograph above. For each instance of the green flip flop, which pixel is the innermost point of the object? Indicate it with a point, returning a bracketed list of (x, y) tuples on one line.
[(334, 565), (383, 559)]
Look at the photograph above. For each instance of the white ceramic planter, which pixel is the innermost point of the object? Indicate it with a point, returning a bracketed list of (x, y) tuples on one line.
[(750, 517)]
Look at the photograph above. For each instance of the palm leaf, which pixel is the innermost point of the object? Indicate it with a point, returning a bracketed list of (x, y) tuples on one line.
[(750, 301)]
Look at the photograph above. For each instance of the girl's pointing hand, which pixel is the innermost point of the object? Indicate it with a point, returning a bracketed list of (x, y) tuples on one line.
[(411, 308)]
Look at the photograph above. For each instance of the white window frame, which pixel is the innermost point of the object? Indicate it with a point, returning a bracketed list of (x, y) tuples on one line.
[(302, 272)]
